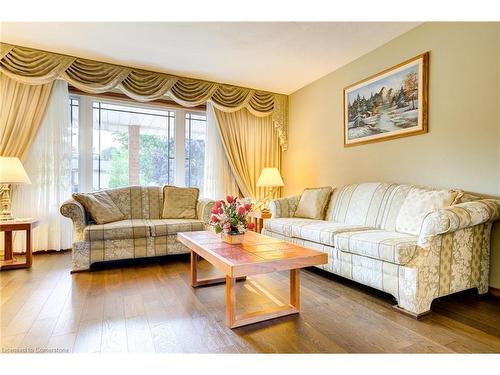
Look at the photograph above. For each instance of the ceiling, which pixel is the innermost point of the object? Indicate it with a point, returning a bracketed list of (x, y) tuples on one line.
[(275, 56)]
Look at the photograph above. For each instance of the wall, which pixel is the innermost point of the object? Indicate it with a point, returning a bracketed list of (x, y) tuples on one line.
[(462, 148)]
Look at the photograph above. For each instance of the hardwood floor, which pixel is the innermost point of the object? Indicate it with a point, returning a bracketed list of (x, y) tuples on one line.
[(150, 307)]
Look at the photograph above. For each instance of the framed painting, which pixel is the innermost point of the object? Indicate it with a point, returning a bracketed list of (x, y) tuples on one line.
[(388, 105)]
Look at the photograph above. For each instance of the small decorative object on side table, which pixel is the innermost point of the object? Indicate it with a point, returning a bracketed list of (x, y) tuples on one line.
[(229, 218), (258, 218), (9, 226)]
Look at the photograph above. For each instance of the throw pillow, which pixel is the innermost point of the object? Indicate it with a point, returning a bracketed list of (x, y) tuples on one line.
[(313, 202), (418, 203), (100, 207), (179, 203)]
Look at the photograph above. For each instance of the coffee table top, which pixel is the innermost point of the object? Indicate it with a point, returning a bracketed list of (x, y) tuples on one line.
[(256, 255)]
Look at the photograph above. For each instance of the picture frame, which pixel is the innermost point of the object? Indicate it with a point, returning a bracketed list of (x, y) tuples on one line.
[(388, 105)]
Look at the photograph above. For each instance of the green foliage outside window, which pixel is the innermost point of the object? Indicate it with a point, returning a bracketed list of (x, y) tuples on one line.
[(153, 159)]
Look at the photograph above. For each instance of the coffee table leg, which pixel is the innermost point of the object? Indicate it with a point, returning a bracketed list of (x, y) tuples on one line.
[(295, 288), (194, 268), (230, 300)]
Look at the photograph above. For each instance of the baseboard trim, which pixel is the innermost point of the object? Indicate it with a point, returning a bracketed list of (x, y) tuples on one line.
[(412, 315), (79, 271), (495, 292), (44, 252)]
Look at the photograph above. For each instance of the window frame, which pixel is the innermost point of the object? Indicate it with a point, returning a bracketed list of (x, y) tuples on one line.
[(85, 132)]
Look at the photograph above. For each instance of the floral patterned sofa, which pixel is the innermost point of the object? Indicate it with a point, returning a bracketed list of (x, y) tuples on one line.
[(448, 252), (142, 234)]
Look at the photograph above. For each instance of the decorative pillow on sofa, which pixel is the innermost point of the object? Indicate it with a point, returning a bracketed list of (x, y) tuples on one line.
[(313, 202), (418, 203), (100, 207), (179, 203)]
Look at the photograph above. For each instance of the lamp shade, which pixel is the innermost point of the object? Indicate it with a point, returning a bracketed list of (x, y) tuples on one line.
[(12, 171), (270, 177)]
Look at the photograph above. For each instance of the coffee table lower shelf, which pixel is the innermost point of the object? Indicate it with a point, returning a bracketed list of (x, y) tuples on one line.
[(233, 320)]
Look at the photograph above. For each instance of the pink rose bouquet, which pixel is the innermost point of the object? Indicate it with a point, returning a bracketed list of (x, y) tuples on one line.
[(230, 216)]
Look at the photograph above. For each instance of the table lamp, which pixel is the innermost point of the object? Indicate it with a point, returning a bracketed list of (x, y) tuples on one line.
[(269, 177), (11, 172)]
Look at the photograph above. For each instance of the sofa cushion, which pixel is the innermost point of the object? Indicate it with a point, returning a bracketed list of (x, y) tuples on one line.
[(118, 230), (164, 227), (312, 203), (418, 203), (394, 247), (179, 203), (357, 203), (322, 232), (372, 204), (283, 225), (100, 206)]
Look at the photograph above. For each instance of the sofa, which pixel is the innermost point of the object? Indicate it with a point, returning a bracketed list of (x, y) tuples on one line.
[(448, 252), (142, 234)]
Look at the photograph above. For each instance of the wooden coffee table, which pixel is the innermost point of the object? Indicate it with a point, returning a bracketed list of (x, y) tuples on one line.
[(258, 254)]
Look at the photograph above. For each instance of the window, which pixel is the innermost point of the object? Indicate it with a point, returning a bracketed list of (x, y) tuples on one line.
[(132, 146), (196, 131), (119, 143)]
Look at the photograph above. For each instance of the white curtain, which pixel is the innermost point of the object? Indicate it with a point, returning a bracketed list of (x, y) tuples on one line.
[(48, 164), (219, 180)]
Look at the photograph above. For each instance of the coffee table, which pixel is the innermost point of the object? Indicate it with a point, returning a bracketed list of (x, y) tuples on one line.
[(258, 254)]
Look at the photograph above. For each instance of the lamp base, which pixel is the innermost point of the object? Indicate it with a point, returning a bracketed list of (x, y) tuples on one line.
[(6, 217), (5, 213), (262, 205)]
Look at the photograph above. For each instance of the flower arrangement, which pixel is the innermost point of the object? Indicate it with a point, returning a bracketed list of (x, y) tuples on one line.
[(230, 216)]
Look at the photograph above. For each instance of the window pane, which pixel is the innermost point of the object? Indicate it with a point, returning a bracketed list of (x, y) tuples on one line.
[(156, 143), (133, 145), (171, 151), (195, 149), (75, 154), (110, 144)]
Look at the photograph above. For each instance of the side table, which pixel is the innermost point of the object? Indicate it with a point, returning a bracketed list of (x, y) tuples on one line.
[(8, 227), (258, 218)]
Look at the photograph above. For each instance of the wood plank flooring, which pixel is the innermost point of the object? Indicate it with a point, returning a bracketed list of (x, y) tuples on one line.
[(150, 307)]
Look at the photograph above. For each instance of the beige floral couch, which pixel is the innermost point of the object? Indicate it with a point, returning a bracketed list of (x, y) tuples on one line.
[(448, 253), (142, 234)]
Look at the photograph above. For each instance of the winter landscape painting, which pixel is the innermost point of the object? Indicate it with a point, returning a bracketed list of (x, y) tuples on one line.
[(389, 105)]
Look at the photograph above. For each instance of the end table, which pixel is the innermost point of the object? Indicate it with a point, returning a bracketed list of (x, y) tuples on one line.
[(9, 226), (258, 218)]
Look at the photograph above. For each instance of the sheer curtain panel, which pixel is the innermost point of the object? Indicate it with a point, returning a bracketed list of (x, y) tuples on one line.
[(48, 164)]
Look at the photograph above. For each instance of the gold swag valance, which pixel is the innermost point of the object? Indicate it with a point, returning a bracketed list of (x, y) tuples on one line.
[(36, 67)]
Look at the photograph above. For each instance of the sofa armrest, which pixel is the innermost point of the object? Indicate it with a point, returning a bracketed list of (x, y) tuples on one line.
[(459, 216), (284, 207), (75, 211), (203, 209)]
